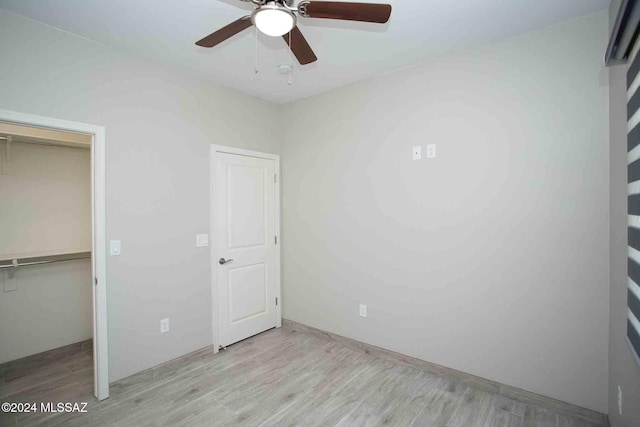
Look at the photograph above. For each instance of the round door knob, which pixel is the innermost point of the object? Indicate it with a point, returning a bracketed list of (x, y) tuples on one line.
[(224, 261)]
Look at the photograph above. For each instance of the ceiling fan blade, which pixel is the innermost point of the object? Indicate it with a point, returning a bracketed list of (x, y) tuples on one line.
[(300, 47), (225, 32), (365, 12)]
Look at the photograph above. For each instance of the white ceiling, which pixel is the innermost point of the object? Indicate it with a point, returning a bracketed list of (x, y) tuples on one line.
[(166, 30)]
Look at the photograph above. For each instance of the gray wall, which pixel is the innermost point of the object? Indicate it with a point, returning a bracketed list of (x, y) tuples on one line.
[(51, 308), (45, 201), (623, 370), (159, 129), (490, 259)]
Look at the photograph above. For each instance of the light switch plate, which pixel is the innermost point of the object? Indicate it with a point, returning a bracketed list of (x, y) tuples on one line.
[(363, 310), (431, 151), (114, 248), (417, 152), (202, 240)]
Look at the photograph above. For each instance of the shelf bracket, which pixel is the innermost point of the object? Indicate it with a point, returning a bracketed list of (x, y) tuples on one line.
[(10, 282), (12, 271)]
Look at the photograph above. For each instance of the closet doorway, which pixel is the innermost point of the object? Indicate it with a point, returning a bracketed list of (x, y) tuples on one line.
[(52, 256)]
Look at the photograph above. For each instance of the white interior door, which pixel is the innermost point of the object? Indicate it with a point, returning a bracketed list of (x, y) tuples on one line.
[(245, 219)]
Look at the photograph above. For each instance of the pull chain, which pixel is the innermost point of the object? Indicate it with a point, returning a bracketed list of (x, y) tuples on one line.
[(256, 70), (289, 81)]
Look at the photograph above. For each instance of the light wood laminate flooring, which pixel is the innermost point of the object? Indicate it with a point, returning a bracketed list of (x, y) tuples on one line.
[(292, 376)]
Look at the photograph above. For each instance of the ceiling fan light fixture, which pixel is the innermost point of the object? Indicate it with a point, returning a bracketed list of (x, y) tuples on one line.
[(273, 20)]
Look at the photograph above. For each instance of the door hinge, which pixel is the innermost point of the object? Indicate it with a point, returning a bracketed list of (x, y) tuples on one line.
[(95, 279), (275, 177), (276, 239), (276, 300)]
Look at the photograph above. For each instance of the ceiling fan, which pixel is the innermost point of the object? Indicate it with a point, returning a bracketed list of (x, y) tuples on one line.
[(278, 18)]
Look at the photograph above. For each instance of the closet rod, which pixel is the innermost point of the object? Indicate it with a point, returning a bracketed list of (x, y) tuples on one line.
[(15, 263)]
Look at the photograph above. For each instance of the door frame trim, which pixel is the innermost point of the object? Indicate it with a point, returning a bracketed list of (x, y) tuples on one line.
[(215, 149), (99, 253)]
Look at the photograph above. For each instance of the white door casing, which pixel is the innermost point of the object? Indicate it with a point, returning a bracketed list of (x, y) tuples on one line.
[(99, 262), (245, 224)]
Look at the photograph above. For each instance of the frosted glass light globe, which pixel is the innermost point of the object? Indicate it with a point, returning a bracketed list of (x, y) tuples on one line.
[(274, 21)]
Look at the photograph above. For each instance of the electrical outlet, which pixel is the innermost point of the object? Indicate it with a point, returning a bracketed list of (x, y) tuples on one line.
[(363, 310), (416, 152), (619, 400), (164, 326)]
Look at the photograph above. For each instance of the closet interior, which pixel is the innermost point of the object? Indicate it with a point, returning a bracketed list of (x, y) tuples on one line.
[(46, 306)]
